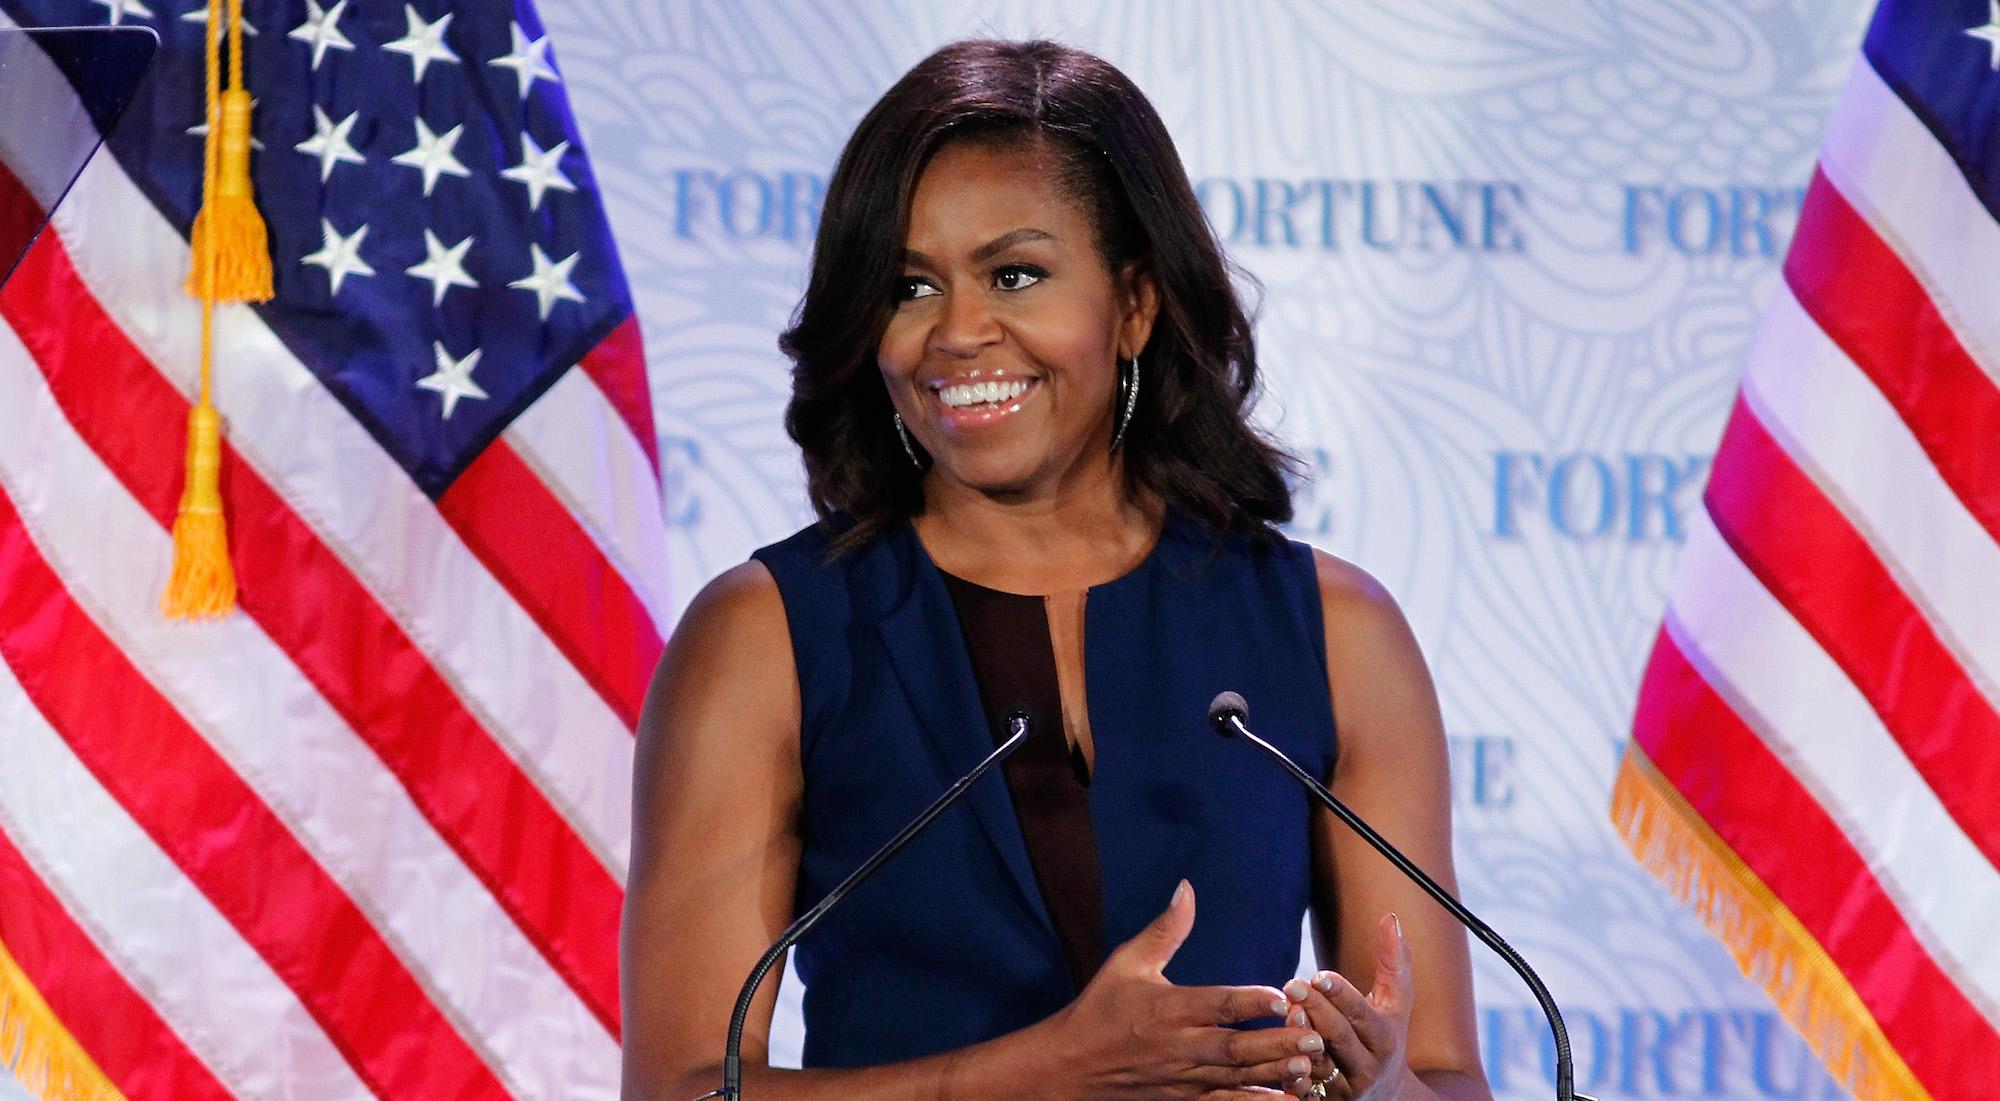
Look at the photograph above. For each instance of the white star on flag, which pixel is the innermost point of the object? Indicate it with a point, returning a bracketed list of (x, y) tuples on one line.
[(340, 256), (200, 15), (539, 170), (329, 142), (322, 30), (424, 42), (453, 378), (549, 281), (1990, 33), (433, 155), (119, 9), (529, 59), (444, 267)]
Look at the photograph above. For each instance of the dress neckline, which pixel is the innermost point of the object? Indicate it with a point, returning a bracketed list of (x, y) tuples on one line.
[(1168, 525)]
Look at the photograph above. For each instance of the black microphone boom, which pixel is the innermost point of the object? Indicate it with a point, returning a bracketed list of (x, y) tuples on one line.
[(1019, 722), (1227, 712)]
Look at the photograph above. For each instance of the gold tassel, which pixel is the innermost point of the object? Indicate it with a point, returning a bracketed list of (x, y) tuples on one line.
[(232, 260), (38, 1050), (232, 263), (1673, 843), (202, 586)]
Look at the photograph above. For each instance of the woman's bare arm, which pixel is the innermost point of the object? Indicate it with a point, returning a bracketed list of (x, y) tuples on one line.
[(1393, 771), (715, 845)]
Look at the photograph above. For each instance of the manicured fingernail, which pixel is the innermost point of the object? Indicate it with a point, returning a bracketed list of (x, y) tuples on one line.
[(1297, 1019), (1311, 1044), (1181, 893), (1324, 980), (1279, 1006), (1398, 923), (1299, 1065), (1296, 990)]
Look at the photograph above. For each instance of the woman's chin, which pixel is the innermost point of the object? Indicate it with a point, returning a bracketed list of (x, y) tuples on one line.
[(996, 475)]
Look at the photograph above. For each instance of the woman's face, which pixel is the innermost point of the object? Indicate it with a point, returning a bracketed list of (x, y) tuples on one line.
[(1002, 352)]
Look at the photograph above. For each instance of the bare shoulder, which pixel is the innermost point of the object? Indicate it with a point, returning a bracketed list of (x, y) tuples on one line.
[(1381, 687), (1359, 610), (740, 603), (728, 664)]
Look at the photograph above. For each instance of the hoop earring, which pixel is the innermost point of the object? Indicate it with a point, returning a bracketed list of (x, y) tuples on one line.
[(1129, 384), (903, 434)]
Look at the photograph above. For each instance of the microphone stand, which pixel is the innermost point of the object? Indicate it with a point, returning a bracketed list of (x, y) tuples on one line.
[(1019, 722), (1228, 710)]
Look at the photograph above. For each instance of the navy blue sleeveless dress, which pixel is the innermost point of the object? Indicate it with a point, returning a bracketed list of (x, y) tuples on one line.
[(951, 943)]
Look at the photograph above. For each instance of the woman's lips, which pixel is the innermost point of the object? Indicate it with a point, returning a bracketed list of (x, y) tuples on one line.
[(982, 401)]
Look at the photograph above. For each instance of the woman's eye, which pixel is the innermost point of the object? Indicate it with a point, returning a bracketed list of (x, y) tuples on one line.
[(1015, 277), (911, 286)]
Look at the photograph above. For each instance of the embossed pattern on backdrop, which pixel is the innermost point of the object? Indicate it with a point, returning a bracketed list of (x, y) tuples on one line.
[(1511, 253)]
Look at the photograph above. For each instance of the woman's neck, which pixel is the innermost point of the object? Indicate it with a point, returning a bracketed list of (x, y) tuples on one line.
[(1062, 541)]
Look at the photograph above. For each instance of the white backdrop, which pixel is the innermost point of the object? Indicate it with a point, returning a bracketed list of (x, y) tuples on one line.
[(1512, 252)]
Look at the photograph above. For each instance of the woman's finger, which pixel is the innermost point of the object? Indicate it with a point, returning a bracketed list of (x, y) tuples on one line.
[(1259, 1076), (1375, 1029), (1230, 1048), (1223, 1005), (1327, 1019), (1392, 994), (1323, 1065), (1381, 1016)]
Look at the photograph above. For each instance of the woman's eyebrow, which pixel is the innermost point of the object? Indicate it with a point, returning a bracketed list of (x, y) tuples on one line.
[(1008, 240), (988, 250)]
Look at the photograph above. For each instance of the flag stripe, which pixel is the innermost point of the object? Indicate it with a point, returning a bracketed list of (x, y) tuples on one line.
[(223, 837), (507, 517), (1808, 556), (1891, 170), (127, 1040), (374, 841), (366, 511), (1875, 310), (1779, 680), (596, 483), (1815, 402), (1758, 807), (152, 921), (618, 366), (334, 630)]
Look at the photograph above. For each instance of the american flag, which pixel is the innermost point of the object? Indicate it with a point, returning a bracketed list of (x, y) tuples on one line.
[(366, 837), (1816, 756)]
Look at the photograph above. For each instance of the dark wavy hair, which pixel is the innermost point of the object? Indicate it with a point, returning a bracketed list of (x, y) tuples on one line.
[(1190, 440)]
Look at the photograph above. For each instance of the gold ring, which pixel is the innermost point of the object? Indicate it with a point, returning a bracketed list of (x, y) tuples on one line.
[(1319, 1085)]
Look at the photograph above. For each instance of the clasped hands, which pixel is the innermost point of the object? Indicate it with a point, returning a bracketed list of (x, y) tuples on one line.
[(1133, 1034)]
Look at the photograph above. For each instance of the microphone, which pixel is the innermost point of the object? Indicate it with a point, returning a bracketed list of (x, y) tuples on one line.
[(1227, 712), (1020, 720)]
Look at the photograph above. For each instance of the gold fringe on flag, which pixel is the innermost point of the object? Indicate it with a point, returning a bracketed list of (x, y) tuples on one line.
[(38, 1050), (1674, 844), (232, 263)]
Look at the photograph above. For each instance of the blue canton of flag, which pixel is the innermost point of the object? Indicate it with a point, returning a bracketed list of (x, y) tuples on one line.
[(439, 253)]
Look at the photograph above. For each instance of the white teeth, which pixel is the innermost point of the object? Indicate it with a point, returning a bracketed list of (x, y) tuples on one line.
[(982, 393)]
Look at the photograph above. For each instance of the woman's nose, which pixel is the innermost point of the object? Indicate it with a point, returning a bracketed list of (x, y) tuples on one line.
[(965, 326)]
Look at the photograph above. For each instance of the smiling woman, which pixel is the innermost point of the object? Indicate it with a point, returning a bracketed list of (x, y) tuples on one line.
[(998, 357), (1021, 385)]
